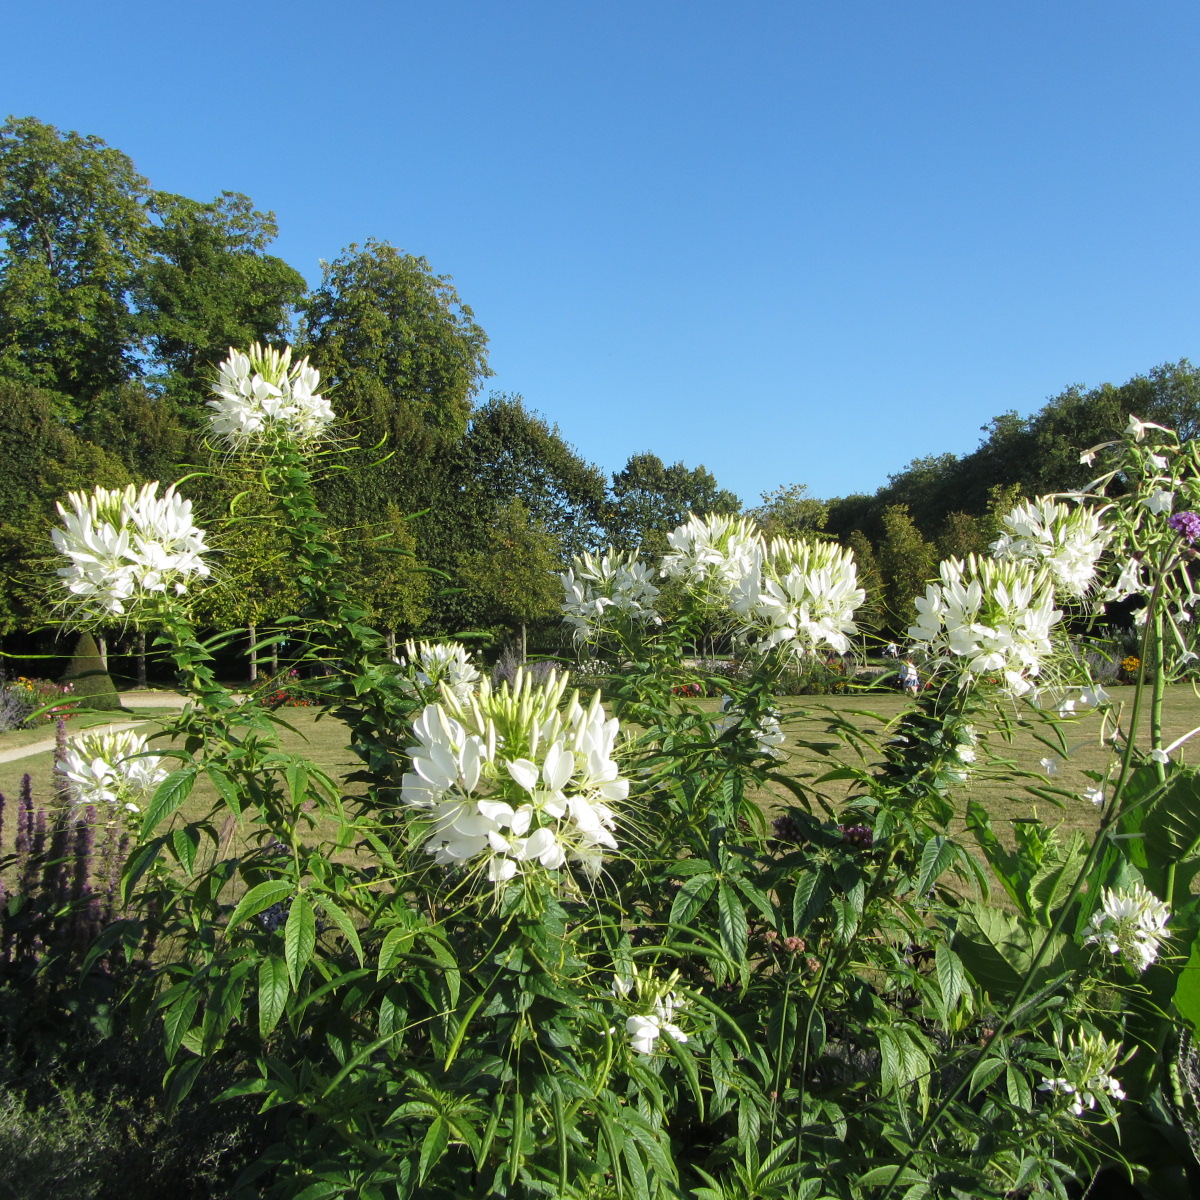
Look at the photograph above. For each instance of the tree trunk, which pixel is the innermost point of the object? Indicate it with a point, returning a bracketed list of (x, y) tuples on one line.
[(391, 642), (252, 630), (275, 658), (140, 642), (524, 657), (102, 649)]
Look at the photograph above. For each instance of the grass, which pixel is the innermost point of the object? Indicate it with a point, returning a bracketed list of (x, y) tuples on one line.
[(1001, 788)]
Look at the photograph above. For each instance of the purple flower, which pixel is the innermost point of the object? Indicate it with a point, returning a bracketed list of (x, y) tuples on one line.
[(1186, 524)]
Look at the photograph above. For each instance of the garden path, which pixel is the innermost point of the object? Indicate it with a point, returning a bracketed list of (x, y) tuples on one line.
[(128, 700)]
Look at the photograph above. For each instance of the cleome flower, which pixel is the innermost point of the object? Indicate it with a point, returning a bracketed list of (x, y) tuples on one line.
[(658, 1003), (125, 544), (263, 397), (110, 768), (1066, 540), (595, 587), (991, 617), (515, 778), (802, 595), (1130, 923), (768, 733), (429, 664), (715, 555), (1087, 1074)]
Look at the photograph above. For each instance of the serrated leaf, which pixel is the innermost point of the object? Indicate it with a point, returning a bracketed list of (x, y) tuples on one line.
[(259, 897), (226, 789), (273, 992), (433, 1146), (299, 937), (691, 898), (344, 924), (168, 796), (731, 922), (936, 857), (177, 1020), (810, 897), (952, 978)]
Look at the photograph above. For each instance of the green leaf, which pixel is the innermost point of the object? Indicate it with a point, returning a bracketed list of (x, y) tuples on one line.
[(259, 897), (810, 897), (952, 979), (731, 922), (936, 857), (299, 937), (177, 1019), (185, 843), (878, 1176), (691, 898), (168, 796), (1187, 989), (433, 1146), (343, 922), (272, 992), (226, 789)]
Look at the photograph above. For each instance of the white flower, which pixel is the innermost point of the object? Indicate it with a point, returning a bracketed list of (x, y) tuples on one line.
[(1095, 795), (645, 1029), (802, 595), (1086, 1078), (1157, 462), (1129, 582), (1130, 923), (768, 733), (516, 777), (1160, 501), (1159, 755), (1092, 696), (1137, 429), (432, 663), (1050, 765), (127, 544), (714, 554), (595, 588), (1066, 540), (262, 396), (113, 768), (992, 617)]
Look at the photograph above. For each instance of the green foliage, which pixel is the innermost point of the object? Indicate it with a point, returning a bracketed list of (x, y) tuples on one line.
[(906, 562), (73, 225), (650, 499), (790, 512), (91, 684)]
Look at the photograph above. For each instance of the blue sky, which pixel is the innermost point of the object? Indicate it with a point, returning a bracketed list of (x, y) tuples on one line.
[(795, 242)]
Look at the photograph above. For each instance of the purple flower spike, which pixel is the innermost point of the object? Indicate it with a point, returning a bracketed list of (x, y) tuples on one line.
[(1186, 524)]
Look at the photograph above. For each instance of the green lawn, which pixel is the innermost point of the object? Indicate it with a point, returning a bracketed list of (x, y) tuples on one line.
[(805, 719)]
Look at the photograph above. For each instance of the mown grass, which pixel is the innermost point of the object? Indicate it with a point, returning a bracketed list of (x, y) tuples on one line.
[(1002, 786)]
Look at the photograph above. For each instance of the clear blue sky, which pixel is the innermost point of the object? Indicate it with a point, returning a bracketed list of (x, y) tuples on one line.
[(797, 242)]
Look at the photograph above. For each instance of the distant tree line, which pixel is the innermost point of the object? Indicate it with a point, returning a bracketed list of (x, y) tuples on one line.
[(117, 301)]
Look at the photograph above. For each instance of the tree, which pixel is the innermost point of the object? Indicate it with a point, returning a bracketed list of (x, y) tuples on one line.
[(401, 349), (207, 284), (906, 561), (871, 613), (791, 512), (650, 499), (73, 223), (962, 534), (515, 573)]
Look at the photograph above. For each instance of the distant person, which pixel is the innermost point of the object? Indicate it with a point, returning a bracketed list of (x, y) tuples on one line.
[(892, 651), (909, 680)]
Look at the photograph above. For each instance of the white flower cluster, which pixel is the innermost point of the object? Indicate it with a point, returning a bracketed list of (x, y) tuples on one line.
[(768, 733), (1066, 540), (429, 664), (1087, 1074), (645, 1028), (715, 554), (1130, 923), (594, 585), (262, 396), (518, 776), (110, 768), (994, 617), (801, 594), (125, 544)]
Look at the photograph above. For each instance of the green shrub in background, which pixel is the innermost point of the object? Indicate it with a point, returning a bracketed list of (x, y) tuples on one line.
[(545, 957)]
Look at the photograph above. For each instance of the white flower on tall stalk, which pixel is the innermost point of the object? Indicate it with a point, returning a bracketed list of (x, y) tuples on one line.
[(992, 617), (767, 733), (1131, 922), (1087, 1074), (658, 1002), (110, 768), (803, 595), (596, 585), (715, 555), (1066, 540), (1159, 501), (516, 777), (430, 664), (125, 544), (264, 397)]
